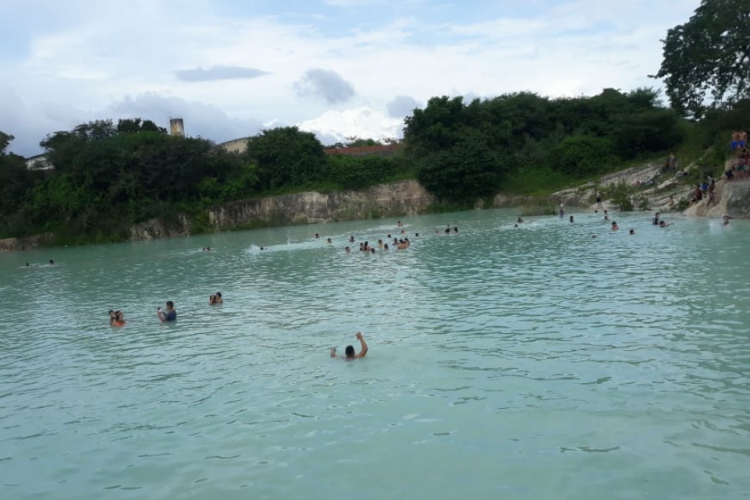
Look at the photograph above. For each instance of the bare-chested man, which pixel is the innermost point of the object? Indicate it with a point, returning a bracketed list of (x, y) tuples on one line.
[(349, 351)]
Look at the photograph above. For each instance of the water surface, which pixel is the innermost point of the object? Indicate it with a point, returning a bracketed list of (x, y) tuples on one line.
[(530, 362)]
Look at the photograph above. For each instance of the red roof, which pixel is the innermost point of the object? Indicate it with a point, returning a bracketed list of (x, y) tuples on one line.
[(364, 150)]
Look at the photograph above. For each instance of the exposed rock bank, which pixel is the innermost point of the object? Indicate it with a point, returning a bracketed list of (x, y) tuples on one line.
[(14, 244), (400, 198)]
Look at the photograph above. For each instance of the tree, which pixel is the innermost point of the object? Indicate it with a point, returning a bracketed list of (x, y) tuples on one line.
[(286, 157), (15, 178), (135, 125), (467, 172), (707, 60)]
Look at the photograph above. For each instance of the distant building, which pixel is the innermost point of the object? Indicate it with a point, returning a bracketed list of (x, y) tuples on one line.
[(177, 127), (38, 162), (235, 145)]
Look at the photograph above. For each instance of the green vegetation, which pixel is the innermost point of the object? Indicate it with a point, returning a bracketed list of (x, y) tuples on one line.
[(108, 177), (706, 61), (528, 144)]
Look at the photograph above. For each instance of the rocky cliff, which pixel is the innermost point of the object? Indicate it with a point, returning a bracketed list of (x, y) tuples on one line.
[(400, 198), (732, 198), (13, 244)]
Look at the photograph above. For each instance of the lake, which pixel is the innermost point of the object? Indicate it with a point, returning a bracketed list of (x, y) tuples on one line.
[(529, 362)]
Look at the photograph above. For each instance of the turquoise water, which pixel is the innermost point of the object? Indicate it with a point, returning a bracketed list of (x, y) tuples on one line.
[(536, 362)]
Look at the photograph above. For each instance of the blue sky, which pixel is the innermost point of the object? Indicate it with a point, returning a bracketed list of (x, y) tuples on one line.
[(335, 67)]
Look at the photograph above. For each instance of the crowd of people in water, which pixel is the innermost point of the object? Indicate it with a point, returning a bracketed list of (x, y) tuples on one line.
[(400, 242)]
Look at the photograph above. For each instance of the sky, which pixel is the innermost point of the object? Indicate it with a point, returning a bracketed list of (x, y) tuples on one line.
[(338, 68)]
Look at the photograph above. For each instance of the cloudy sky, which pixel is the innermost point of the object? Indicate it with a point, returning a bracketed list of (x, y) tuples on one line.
[(335, 67)]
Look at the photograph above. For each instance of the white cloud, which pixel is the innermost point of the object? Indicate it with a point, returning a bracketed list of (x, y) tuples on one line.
[(364, 122), (82, 59)]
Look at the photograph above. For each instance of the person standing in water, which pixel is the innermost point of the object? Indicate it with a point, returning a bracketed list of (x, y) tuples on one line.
[(169, 315), (562, 210), (349, 351)]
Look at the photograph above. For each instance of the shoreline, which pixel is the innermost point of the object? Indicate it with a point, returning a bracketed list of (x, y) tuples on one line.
[(407, 198)]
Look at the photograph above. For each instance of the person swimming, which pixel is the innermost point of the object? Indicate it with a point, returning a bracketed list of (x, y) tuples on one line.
[(347, 250), (520, 221), (664, 224), (351, 239), (116, 318), (632, 231), (571, 219), (328, 241), (615, 227), (349, 351), (215, 299)]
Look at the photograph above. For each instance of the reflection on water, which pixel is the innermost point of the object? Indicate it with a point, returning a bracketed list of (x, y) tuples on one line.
[(534, 362)]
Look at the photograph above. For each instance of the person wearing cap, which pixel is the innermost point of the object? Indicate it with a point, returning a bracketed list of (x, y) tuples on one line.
[(349, 351)]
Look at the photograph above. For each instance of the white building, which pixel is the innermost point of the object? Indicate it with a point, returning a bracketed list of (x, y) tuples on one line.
[(38, 162)]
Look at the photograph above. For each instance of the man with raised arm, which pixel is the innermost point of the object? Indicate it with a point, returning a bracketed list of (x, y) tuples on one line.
[(350, 349)]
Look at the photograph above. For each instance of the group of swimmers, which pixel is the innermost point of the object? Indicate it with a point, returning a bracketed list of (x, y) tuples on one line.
[(168, 315), (51, 263)]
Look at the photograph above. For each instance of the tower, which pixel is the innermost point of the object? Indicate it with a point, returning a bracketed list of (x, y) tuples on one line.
[(177, 127)]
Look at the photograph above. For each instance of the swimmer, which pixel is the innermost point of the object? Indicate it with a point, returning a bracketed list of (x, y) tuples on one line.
[(520, 220), (215, 299), (400, 224), (116, 318), (317, 235), (361, 247), (380, 243), (27, 264), (347, 250), (516, 225), (725, 220), (169, 315), (416, 234), (447, 230), (385, 247), (655, 222), (455, 230), (351, 239), (372, 250), (51, 262), (632, 231), (349, 351), (208, 249), (663, 224), (571, 219), (388, 236), (328, 241), (261, 248), (615, 227)]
